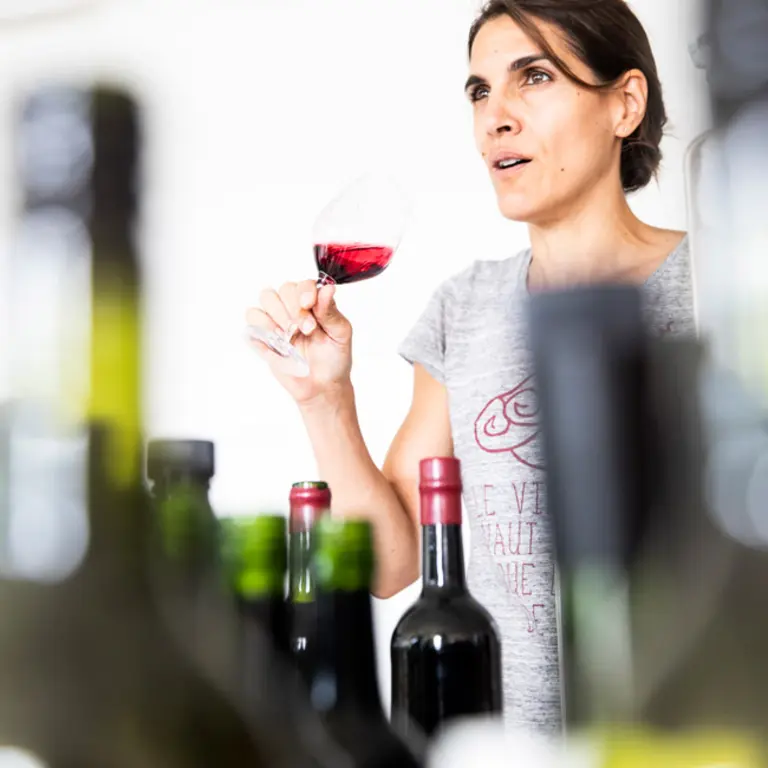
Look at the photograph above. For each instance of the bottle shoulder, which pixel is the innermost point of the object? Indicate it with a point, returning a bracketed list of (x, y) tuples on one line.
[(458, 616)]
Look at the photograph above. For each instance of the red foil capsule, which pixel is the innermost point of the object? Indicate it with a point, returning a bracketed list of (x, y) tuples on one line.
[(308, 502), (440, 491)]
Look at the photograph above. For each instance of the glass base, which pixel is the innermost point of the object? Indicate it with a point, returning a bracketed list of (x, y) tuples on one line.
[(279, 344)]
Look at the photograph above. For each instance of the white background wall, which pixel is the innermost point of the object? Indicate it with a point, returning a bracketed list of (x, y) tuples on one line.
[(257, 112)]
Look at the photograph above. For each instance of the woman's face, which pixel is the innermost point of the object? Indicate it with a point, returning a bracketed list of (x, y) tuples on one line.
[(545, 141)]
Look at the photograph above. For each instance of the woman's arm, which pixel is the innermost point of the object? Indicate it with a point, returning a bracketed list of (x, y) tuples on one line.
[(389, 498)]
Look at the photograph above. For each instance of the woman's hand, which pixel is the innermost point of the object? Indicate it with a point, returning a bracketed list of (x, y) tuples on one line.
[(322, 334)]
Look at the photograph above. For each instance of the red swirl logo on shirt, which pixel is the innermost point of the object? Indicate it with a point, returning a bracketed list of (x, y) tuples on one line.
[(509, 423)]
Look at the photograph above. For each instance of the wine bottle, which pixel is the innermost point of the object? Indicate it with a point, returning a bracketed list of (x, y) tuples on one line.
[(308, 502), (445, 650), (661, 646), (344, 685), (180, 472), (89, 676), (188, 578), (255, 557), (590, 355)]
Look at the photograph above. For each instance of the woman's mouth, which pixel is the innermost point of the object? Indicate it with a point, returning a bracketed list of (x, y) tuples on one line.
[(509, 166)]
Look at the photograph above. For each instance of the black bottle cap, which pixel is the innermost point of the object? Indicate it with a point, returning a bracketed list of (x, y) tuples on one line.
[(195, 456)]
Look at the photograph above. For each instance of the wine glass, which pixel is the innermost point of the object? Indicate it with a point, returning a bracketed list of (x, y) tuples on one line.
[(354, 238)]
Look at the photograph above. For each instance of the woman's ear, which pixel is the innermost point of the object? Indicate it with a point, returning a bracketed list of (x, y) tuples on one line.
[(631, 97)]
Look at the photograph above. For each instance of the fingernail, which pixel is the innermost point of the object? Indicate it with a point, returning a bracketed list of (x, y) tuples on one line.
[(308, 325), (305, 299)]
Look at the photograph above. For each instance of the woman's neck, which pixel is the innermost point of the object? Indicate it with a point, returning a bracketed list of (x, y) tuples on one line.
[(599, 239)]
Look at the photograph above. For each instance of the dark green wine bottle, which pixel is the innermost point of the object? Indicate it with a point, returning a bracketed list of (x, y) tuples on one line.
[(344, 684), (257, 564), (188, 582), (180, 472)]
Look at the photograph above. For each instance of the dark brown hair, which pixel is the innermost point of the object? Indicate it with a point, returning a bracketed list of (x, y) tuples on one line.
[(610, 40)]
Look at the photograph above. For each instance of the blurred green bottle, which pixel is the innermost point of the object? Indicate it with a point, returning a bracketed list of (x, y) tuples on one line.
[(343, 681), (188, 579), (89, 673)]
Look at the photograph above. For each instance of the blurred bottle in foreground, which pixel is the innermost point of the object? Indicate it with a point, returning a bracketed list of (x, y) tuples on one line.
[(446, 654), (89, 673), (344, 685), (589, 355), (188, 579), (727, 186), (180, 472), (257, 564), (309, 501), (661, 645), (490, 745), (726, 189)]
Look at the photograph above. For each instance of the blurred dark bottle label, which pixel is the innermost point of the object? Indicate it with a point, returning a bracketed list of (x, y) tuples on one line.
[(49, 301)]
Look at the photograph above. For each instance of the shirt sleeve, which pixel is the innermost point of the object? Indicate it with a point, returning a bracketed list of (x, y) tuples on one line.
[(426, 342)]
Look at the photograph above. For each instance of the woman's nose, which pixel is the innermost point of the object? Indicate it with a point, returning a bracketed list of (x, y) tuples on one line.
[(501, 115)]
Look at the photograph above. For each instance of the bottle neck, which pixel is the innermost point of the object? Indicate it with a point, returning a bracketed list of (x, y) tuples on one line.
[(186, 526), (301, 578), (304, 513), (345, 676), (442, 554), (174, 481)]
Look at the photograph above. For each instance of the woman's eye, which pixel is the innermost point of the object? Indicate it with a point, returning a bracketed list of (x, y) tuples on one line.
[(537, 77), (478, 92)]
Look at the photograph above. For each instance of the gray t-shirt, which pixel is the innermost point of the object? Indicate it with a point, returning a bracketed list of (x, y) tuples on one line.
[(472, 338)]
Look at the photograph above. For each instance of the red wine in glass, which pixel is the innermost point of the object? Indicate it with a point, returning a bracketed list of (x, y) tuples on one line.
[(355, 237), (343, 263)]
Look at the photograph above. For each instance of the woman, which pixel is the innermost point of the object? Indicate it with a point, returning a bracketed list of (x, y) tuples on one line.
[(568, 116)]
